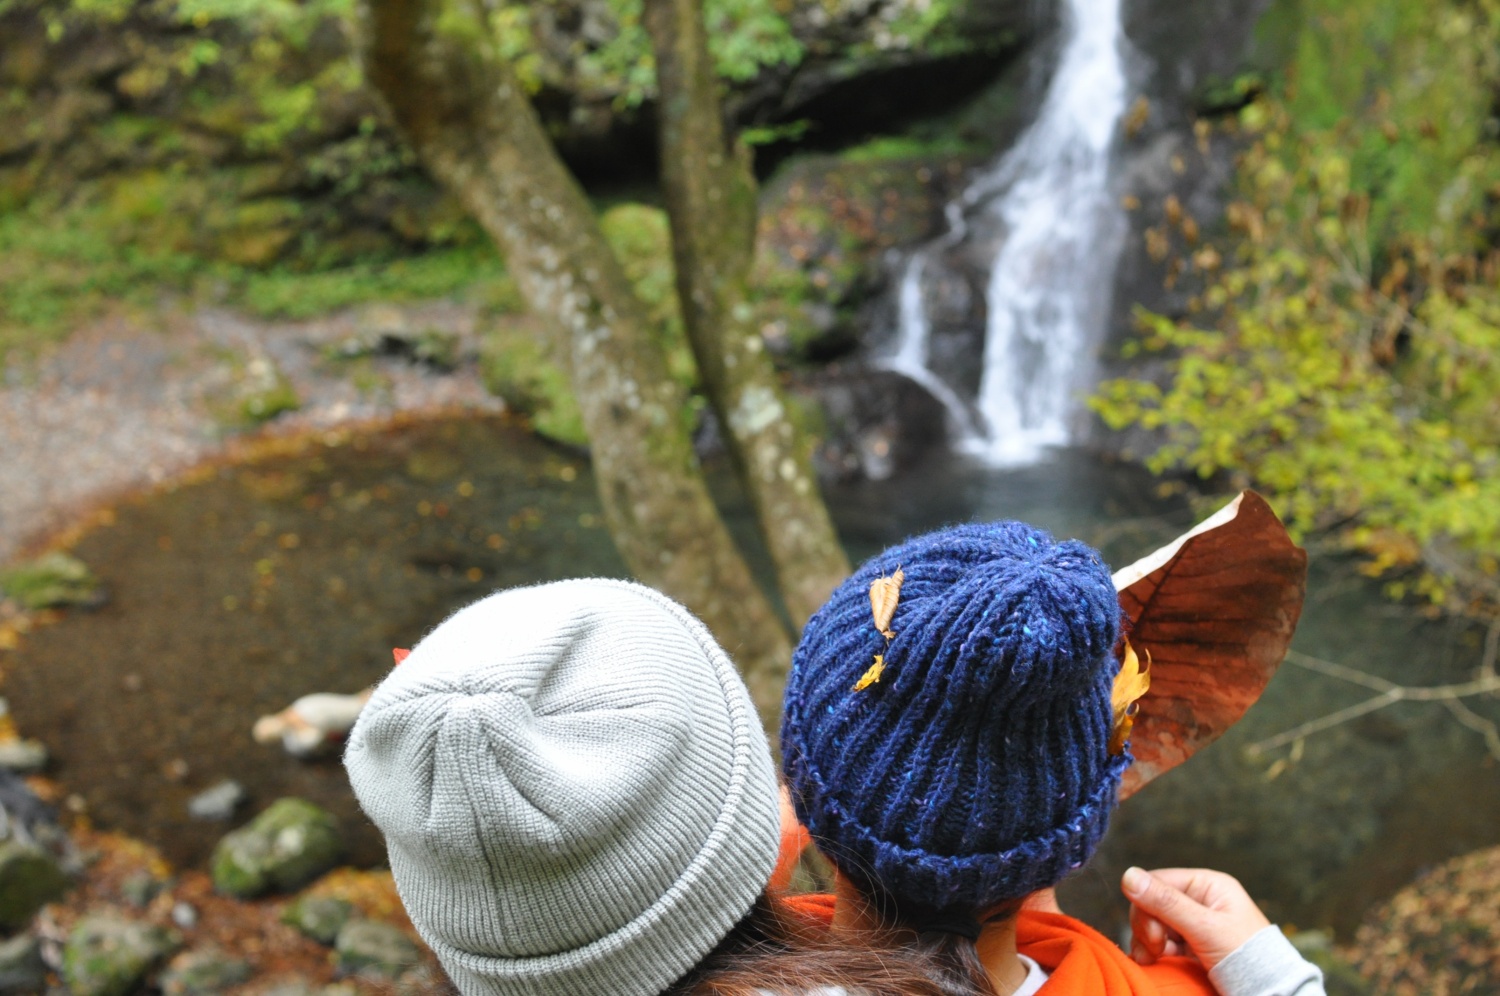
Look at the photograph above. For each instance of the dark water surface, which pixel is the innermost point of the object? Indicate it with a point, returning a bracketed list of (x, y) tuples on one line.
[(242, 588)]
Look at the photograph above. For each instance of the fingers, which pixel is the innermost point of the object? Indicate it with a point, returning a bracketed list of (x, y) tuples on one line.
[(1206, 911), (1161, 899)]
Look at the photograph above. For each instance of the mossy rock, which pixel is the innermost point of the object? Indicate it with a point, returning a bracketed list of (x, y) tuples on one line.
[(53, 580), (287, 846), (370, 948), (29, 879), (516, 365), (319, 917), (196, 973), (110, 956)]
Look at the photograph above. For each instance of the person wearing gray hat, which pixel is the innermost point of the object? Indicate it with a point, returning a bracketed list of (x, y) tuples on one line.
[(574, 788)]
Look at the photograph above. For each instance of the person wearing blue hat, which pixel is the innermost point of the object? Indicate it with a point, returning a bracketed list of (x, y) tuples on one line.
[(953, 738)]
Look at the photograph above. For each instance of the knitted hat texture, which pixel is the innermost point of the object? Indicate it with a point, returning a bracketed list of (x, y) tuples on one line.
[(976, 769), (574, 788)]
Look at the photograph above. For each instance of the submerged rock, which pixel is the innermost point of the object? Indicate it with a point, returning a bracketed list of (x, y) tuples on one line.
[(288, 845), (29, 878), (109, 955), (364, 946)]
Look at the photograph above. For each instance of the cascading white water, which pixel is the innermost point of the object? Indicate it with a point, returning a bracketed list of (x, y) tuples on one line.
[(1049, 286)]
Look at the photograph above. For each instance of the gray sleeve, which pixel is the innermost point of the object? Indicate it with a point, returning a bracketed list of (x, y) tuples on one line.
[(1267, 965)]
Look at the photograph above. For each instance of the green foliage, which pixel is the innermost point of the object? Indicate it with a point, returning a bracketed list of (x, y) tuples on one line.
[(745, 36), (62, 262), (1404, 92), (1345, 357)]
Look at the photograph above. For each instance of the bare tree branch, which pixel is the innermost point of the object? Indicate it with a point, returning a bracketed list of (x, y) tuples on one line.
[(1390, 692)]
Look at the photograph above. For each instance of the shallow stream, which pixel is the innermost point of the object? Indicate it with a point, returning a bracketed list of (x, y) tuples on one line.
[(243, 587)]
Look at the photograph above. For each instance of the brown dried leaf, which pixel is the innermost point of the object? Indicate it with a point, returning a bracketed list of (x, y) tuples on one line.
[(884, 594), (1217, 607)]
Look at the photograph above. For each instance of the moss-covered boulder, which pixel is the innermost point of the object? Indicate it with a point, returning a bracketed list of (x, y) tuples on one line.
[(288, 845), (29, 878), (207, 970), (825, 225), (319, 917), (110, 956), (366, 947), (53, 580)]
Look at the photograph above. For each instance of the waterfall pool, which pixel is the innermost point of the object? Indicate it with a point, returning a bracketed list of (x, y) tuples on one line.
[(242, 587)]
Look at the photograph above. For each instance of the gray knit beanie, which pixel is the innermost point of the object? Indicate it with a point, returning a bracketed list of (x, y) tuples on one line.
[(574, 788)]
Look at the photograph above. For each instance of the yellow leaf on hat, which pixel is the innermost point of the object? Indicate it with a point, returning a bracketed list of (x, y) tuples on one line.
[(1130, 684), (884, 593), (872, 675)]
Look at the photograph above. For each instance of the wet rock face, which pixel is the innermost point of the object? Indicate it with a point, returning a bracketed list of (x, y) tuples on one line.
[(282, 849), (1191, 58), (825, 227), (109, 956), (876, 423)]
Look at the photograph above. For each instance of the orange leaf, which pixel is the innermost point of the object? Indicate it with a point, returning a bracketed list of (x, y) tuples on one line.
[(884, 594), (399, 654), (872, 675), (1130, 684), (1217, 607)]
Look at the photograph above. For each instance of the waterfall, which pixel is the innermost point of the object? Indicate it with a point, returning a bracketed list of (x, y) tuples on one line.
[(1048, 291)]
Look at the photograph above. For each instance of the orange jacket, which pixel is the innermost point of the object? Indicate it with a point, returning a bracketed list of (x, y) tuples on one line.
[(1078, 959)]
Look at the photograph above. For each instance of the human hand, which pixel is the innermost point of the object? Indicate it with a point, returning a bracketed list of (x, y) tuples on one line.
[(1176, 911)]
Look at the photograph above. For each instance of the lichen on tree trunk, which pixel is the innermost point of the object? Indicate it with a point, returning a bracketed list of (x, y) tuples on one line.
[(474, 129), (710, 195)]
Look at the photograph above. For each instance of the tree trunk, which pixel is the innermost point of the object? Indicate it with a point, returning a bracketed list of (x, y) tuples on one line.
[(710, 193), (470, 122)]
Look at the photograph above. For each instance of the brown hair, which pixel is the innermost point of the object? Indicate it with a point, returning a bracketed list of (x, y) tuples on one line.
[(774, 950)]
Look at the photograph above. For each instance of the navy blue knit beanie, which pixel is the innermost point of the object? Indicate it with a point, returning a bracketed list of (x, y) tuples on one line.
[(976, 769)]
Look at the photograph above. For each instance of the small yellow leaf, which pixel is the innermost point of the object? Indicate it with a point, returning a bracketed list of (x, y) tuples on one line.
[(884, 594), (872, 675), (1130, 684)]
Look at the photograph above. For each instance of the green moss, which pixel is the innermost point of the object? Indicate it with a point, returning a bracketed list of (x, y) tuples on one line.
[(641, 238), (517, 365), (285, 292), (910, 147), (52, 580), (285, 847)]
